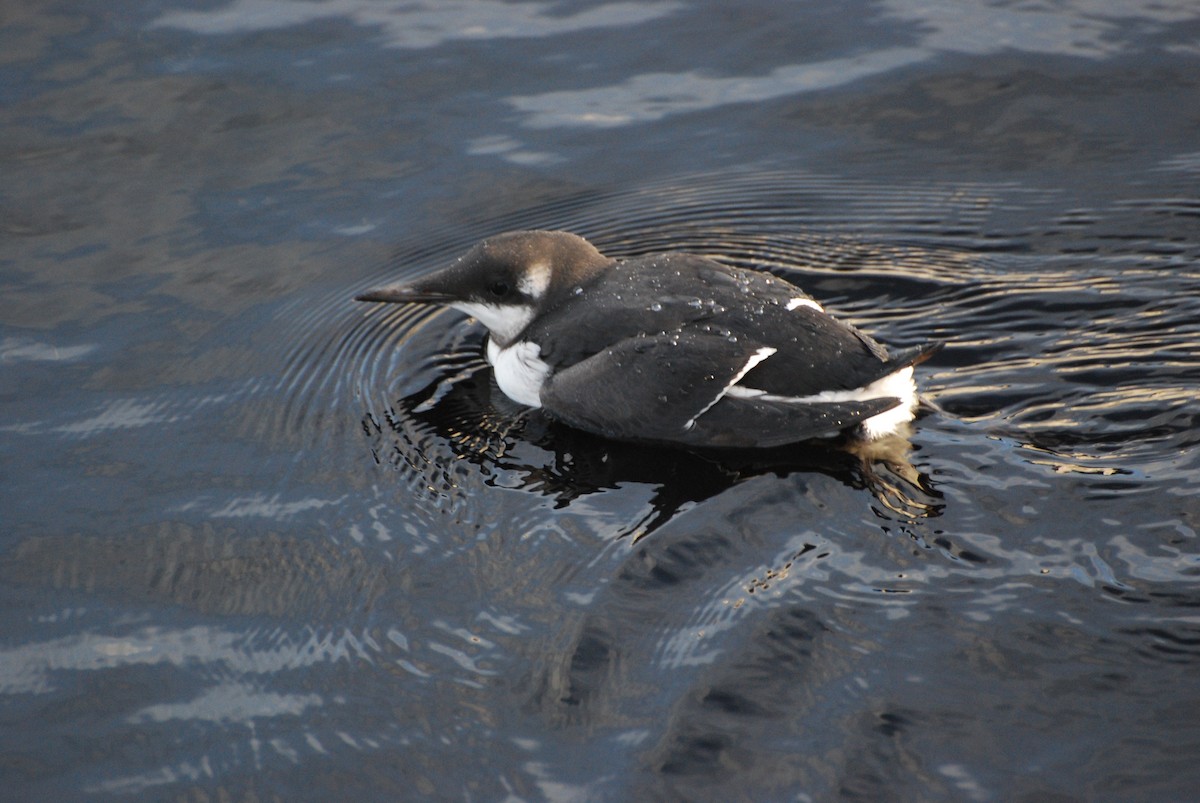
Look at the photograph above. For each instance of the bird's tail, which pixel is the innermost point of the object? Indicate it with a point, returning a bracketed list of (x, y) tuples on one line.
[(913, 356)]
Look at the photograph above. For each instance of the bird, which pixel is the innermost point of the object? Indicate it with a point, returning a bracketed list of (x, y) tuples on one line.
[(668, 348)]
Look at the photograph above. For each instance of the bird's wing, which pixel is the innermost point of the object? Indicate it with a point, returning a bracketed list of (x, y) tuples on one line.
[(764, 423), (673, 388)]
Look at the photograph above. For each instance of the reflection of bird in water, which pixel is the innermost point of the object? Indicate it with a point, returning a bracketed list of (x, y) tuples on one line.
[(669, 348), (481, 425)]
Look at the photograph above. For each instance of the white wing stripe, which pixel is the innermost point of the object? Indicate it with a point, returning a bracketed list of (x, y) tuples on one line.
[(799, 301), (755, 358), (899, 385)]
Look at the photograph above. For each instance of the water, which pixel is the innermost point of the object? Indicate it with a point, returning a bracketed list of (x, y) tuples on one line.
[(261, 542)]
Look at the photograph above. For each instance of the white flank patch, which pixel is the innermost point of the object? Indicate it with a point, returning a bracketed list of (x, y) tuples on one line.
[(520, 371), (898, 385), (535, 281), (504, 321), (803, 302), (755, 359)]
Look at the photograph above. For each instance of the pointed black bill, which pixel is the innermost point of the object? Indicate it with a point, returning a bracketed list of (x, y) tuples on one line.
[(404, 294)]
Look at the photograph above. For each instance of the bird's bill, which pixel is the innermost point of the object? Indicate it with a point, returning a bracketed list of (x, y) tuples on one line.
[(404, 294)]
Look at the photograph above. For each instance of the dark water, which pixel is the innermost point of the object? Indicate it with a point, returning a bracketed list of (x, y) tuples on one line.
[(260, 542)]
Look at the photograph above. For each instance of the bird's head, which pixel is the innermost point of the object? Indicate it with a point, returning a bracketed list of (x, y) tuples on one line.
[(506, 280)]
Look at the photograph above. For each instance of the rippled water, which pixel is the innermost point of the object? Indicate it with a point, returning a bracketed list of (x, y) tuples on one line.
[(262, 542)]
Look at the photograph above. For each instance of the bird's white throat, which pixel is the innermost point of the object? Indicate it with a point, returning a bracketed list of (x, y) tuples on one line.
[(504, 321)]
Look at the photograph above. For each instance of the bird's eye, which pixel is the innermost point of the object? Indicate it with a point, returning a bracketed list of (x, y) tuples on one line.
[(499, 288)]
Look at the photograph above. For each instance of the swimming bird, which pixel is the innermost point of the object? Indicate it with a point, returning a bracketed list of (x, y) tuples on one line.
[(669, 348)]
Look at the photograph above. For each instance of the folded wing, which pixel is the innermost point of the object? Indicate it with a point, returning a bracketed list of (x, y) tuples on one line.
[(676, 387)]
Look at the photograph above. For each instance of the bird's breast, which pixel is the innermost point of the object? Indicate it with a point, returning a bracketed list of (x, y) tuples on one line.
[(520, 371)]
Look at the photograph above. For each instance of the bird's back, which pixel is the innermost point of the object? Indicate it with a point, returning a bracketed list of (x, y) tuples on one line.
[(690, 295)]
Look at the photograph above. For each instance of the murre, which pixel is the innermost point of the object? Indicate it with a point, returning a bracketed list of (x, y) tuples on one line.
[(669, 348)]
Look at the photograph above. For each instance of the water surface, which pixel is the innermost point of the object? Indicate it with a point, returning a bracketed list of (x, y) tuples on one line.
[(261, 542)]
